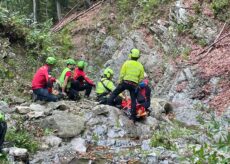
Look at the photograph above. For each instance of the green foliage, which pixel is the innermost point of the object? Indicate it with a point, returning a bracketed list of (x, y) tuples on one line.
[(39, 40), (197, 8), (221, 9), (21, 138), (160, 138), (3, 158), (202, 42)]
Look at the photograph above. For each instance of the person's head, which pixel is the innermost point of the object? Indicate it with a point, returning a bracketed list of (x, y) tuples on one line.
[(108, 73), (81, 65), (70, 63), (51, 61), (134, 54)]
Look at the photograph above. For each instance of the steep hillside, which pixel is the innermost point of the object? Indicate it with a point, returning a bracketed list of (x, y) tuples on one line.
[(184, 48), (175, 41)]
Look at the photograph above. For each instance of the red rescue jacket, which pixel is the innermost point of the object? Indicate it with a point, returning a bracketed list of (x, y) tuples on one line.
[(80, 73)]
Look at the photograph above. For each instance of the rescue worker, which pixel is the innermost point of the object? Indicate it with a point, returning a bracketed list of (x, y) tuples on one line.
[(105, 87), (131, 74), (81, 82), (66, 78), (42, 81), (144, 94), (3, 128)]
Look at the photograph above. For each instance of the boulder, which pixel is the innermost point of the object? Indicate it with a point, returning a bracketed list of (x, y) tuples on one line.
[(67, 124), (22, 109), (79, 145), (108, 47), (187, 116)]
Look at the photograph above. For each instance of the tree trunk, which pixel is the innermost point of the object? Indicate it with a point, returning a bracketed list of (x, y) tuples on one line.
[(35, 10), (58, 9)]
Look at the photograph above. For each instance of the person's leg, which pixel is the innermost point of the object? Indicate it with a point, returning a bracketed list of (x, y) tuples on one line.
[(133, 101), (118, 101), (88, 89), (43, 94), (3, 129), (120, 88), (72, 94)]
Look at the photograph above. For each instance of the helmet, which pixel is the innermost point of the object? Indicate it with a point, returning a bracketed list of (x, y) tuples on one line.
[(2, 117), (81, 64), (70, 62), (134, 53), (51, 61), (108, 72)]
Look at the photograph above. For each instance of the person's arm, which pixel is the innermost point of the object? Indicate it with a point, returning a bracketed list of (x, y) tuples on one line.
[(65, 84), (141, 77), (88, 80)]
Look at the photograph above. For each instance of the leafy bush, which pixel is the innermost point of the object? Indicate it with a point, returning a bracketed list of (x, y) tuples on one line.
[(221, 9), (38, 38), (22, 139)]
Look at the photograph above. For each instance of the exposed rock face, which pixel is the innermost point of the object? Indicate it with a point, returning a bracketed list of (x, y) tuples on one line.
[(67, 124)]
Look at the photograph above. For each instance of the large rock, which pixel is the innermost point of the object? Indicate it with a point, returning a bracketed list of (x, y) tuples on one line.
[(108, 47), (134, 40), (67, 124), (187, 116)]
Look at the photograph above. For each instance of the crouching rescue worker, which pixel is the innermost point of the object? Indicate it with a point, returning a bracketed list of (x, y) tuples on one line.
[(144, 95), (131, 74), (105, 87), (42, 81), (3, 128), (66, 78), (81, 81)]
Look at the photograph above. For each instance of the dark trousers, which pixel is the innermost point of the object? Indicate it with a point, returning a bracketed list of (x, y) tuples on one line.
[(120, 88), (44, 95), (72, 94), (78, 86), (3, 128), (104, 100)]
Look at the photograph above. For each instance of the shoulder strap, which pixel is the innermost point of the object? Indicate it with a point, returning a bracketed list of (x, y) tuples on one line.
[(109, 90)]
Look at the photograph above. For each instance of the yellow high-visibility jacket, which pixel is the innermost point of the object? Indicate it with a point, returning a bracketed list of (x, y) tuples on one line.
[(133, 71), (100, 89)]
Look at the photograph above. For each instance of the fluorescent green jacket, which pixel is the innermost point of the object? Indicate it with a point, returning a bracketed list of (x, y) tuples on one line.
[(132, 70), (100, 89), (62, 78)]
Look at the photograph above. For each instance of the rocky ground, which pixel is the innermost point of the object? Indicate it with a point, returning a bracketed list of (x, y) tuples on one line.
[(85, 132)]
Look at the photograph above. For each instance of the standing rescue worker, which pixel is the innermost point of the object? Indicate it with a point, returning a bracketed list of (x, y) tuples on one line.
[(66, 78), (42, 81), (131, 74), (3, 128), (105, 87), (81, 81)]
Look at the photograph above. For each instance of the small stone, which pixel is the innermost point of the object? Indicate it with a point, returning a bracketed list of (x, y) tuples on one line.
[(22, 109), (19, 152), (79, 145), (52, 141)]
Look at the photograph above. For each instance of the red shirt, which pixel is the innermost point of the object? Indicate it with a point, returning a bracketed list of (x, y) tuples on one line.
[(80, 73), (41, 78)]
